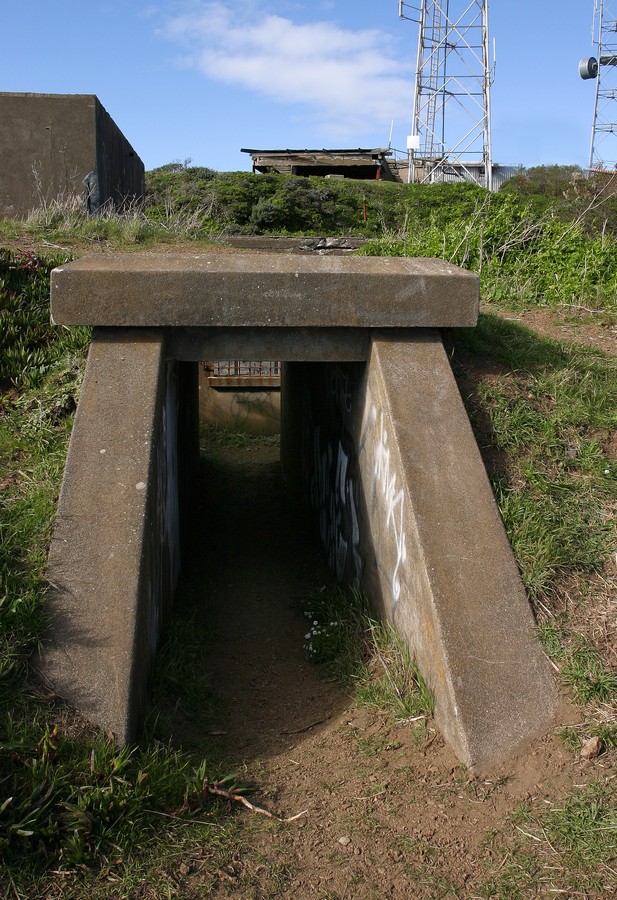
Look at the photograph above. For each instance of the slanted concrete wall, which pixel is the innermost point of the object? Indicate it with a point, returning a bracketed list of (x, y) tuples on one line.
[(115, 554), (59, 146), (405, 510)]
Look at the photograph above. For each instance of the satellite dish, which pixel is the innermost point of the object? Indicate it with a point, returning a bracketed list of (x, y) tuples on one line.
[(588, 68)]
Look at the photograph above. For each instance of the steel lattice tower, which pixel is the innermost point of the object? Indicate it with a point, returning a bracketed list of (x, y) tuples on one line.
[(603, 67), (451, 128)]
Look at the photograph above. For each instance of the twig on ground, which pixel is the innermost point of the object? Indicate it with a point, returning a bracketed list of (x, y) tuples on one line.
[(232, 794), (550, 662), (55, 246), (529, 835), (584, 308), (371, 796), (306, 727)]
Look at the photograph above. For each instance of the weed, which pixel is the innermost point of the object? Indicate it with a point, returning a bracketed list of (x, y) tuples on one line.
[(585, 671), (394, 682), (524, 257), (218, 436), (364, 653), (552, 638), (339, 630), (574, 736), (545, 412), (568, 849), (177, 668), (29, 343)]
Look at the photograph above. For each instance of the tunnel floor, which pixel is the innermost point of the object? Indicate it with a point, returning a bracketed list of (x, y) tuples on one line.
[(252, 557)]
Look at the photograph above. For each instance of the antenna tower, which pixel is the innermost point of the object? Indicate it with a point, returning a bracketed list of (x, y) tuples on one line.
[(451, 128), (603, 67)]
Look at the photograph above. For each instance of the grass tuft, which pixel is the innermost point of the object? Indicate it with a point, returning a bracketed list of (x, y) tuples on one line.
[(568, 849), (363, 653)]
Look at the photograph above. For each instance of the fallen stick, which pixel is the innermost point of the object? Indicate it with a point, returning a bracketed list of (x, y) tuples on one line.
[(231, 794), (306, 727)]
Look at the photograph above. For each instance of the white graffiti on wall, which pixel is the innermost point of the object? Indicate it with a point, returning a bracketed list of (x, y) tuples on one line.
[(340, 390), (338, 520), (386, 485)]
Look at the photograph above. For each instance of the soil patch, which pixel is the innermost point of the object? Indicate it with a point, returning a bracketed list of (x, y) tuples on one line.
[(599, 334)]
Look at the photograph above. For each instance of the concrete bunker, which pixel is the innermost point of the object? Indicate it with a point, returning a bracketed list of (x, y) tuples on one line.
[(373, 433), (62, 147)]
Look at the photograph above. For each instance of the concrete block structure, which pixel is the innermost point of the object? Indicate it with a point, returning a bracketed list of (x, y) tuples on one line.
[(60, 146), (374, 434)]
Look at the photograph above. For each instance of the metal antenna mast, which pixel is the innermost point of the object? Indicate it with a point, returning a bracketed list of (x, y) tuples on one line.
[(603, 67), (451, 128)]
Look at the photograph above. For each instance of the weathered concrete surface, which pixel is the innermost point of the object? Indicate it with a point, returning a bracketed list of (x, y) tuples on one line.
[(59, 146), (248, 411), (292, 344), (406, 513), (267, 290), (115, 552)]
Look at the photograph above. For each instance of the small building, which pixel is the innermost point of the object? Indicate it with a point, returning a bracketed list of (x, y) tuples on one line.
[(61, 146), (381, 164), (368, 165)]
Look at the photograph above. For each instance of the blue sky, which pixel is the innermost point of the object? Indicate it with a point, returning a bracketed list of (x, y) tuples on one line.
[(200, 79)]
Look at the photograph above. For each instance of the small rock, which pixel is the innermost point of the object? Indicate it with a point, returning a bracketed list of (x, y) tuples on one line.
[(344, 840), (591, 748)]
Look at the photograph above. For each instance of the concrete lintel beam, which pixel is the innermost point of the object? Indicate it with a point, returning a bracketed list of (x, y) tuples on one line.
[(290, 344), (263, 290)]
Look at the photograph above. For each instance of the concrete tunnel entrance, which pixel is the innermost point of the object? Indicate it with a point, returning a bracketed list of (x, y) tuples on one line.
[(373, 434)]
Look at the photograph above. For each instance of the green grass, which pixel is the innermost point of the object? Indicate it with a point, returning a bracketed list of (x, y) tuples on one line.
[(363, 653), (525, 258), (550, 409), (544, 414), (585, 671), (217, 436), (29, 343), (67, 223), (34, 431), (570, 848)]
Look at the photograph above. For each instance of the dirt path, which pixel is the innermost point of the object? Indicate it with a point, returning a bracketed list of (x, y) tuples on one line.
[(389, 812), (551, 323), (259, 559)]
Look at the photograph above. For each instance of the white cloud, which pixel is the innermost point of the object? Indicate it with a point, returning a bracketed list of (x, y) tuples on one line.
[(346, 80)]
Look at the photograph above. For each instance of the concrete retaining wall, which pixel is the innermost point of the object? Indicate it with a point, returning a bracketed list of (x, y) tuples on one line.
[(115, 554), (387, 458), (248, 411)]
